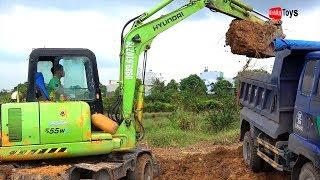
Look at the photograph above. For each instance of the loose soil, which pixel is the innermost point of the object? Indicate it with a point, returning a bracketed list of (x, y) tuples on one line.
[(207, 161), (251, 39), (201, 161)]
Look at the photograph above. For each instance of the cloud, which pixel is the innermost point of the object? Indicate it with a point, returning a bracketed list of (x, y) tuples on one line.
[(12, 73), (263, 6), (182, 50), (26, 28)]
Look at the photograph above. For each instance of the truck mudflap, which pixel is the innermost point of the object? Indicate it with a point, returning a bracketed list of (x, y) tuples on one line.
[(301, 146), (115, 166)]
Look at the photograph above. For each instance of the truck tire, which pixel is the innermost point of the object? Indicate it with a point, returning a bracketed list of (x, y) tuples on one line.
[(309, 172), (143, 169), (250, 153)]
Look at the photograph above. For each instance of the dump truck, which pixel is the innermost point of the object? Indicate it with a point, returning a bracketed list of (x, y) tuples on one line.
[(70, 123), (280, 124)]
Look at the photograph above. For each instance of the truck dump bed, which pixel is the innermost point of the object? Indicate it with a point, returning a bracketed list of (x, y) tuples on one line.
[(268, 100), (259, 97)]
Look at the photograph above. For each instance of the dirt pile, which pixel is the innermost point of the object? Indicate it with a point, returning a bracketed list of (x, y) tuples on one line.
[(250, 38), (210, 162), (50, 172)]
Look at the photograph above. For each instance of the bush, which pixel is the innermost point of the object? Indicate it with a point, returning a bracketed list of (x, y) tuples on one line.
[(159, 107), (208, 104), (226, 116), (190, 121)]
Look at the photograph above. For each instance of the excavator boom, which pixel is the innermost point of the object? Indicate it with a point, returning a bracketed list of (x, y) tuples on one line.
[(142, 33)]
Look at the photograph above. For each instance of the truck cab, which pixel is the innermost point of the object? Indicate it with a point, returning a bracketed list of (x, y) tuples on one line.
[(305, 138), (280, 123)]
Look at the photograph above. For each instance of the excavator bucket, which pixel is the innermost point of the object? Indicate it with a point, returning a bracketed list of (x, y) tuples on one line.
[(253, 39)]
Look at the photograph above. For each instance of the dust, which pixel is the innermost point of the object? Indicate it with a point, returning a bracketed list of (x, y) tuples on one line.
[(251, 39)]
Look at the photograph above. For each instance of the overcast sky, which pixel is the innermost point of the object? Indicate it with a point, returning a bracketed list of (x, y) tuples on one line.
[(96, 24)]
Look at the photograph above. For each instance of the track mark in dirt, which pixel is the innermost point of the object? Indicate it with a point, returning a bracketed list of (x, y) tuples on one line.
[(206, 161)]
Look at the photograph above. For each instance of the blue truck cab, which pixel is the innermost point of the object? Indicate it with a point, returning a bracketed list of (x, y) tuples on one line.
[(280, 115)]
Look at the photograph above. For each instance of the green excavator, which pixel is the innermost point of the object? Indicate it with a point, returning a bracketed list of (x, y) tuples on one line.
[(41, 129)]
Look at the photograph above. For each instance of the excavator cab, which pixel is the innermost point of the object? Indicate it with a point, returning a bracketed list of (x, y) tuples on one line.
[(42, 128), (81, 80)]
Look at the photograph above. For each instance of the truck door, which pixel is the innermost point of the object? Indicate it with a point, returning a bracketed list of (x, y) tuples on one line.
[(304, 93), (314, 111)]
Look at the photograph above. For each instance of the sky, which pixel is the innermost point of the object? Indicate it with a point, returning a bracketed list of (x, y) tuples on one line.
[(186, 48)]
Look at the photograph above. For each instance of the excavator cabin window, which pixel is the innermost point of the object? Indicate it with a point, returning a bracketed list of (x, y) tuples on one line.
[(77, 82)]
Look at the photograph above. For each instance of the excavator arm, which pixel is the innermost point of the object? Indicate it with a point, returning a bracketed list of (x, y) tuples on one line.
[(138, 40)]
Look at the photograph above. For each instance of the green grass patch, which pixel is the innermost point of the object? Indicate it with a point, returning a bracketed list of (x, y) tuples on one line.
[(183, 128)]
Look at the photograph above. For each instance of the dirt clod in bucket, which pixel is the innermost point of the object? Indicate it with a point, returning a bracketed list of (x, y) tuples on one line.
[(251, 39)]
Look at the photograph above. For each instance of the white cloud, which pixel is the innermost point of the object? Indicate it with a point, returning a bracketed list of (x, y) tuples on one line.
[(12, 74), (185, 49), (304, 26), (26, 28)]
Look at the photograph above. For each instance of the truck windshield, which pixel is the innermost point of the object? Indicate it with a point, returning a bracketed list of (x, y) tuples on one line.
[(77, 83)]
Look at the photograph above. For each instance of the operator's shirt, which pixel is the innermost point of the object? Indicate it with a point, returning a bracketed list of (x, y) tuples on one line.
[(55, 89)]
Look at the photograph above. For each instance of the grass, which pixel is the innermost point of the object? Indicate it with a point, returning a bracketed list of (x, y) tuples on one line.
[(164, 130)]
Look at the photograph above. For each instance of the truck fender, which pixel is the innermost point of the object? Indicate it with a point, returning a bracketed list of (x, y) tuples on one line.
[(246, 126)]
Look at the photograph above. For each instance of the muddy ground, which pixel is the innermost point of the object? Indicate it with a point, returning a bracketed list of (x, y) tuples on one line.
[(207, 161), (201, 161)]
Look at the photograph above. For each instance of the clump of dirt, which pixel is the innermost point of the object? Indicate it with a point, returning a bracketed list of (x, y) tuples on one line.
[(46, 170), (251, 39), (218, 162), (49, 172)]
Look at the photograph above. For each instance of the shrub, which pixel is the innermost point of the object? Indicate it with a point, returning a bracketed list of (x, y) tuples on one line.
[(190, 121), (159, 107), (208, 104), (226, 116)]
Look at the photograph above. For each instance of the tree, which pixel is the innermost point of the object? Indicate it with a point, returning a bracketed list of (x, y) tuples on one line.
[(22, 88), (172, 85), (103, 89), (222, 87), (156, 91), (193, 84), (4, 96), (171, 92), (193, 92)]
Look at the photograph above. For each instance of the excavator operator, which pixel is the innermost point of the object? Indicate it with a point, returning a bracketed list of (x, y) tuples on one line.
[(56, 90)]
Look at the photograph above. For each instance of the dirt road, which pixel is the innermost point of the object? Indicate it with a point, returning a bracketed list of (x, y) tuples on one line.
[(205, 161)]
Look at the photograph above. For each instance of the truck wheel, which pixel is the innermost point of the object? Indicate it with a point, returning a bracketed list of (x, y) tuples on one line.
[(250, 153), (101, 175), (143, 170), (309, 172)]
